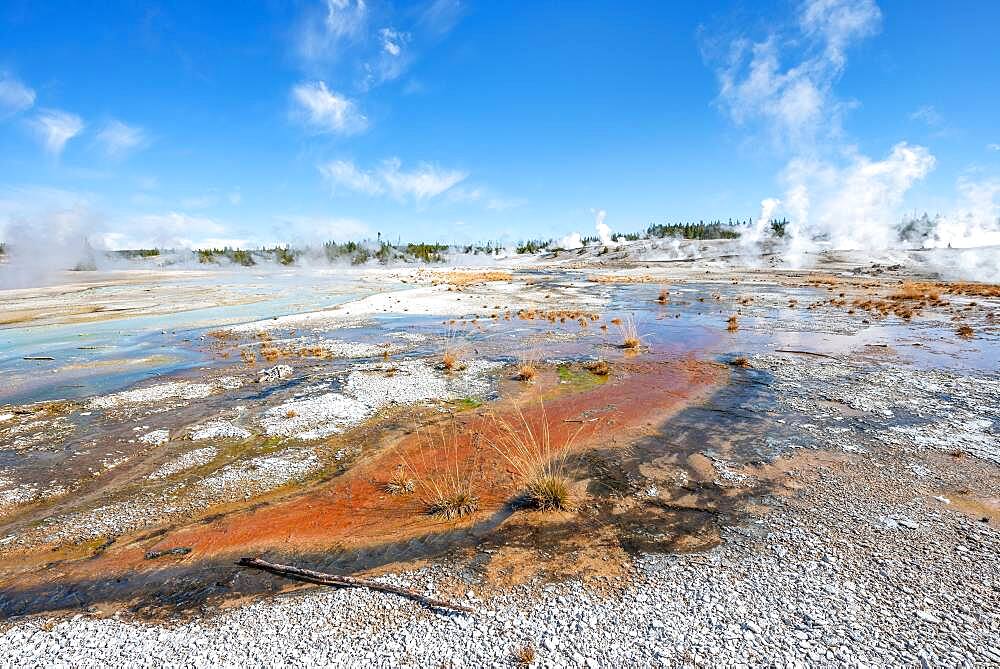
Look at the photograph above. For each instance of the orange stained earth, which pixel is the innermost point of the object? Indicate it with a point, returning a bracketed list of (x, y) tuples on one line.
[(354, 510)]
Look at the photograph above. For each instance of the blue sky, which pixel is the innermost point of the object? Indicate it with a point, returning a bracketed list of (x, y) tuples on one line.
[(194, 123)]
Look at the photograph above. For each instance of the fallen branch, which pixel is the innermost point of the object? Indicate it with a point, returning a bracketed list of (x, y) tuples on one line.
[(789, 350), (319, 577)]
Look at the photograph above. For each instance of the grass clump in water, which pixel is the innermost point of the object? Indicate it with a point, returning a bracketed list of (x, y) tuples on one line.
[(629, 330)]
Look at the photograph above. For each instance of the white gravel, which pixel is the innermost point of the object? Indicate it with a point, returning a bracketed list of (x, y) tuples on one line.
[(314, 417), (173, 390), (371, 388), (189, 460), (820, 584), (250, 477), (219, 429), (155, 437)]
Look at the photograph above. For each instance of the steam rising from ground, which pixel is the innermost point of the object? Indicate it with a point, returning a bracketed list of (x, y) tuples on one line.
[(43, 241), (834, 195), (603, 229), (574, 240)]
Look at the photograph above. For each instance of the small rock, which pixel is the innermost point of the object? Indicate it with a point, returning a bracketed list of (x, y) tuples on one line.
[(276, 373)]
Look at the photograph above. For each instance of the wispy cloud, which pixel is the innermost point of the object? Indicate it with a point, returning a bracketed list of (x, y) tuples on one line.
[(795, 102), (440, 16), (118, 139), (56, 128), (14, 95), (784, 83), (326, 111), (325, 30), (313, 229), (365, 45), (929, 115), (343, 174), (422, 183), (486, 196), (993, 147)]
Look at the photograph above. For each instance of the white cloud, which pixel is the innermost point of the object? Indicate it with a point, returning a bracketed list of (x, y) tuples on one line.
[(929, 115), (795, 101), (392, 41), (440, 16), (319, 229), (838, 23), (424, 182), (485, 195), (785, 82), (203, 201), (368, 47), (14, 95), (344, 174), (503, 204), (55, 128), (326, 30), (119, 139), (172, 229), (993, 147), (326, 111)]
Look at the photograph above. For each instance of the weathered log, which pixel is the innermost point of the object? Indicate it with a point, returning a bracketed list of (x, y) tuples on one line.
[(791, 350), (321, 578)]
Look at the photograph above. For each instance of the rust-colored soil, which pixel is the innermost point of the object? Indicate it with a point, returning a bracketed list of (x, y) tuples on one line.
[(354, 511)]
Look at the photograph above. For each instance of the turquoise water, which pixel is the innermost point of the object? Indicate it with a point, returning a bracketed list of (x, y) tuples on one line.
[(104, 356)]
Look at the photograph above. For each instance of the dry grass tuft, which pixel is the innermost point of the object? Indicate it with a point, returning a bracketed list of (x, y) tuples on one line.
[(525, 655), (549, 493), (526, 372), (291, 413), (598, 367), (623, 278), (629, 330), (740, 361), (965, 332), (462, 279), (445, 476), (538, 463), (449, 360), (451, 357), (664, 296), (733, 324), (400, 483), (454, 505)]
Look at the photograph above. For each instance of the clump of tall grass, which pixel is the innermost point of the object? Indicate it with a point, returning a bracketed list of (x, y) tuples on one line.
[(629, 330), (598, 367), (445, 476), (451, 356), (525, 655), (733, 324), (527, 367), (400, 483), (538, 460)]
